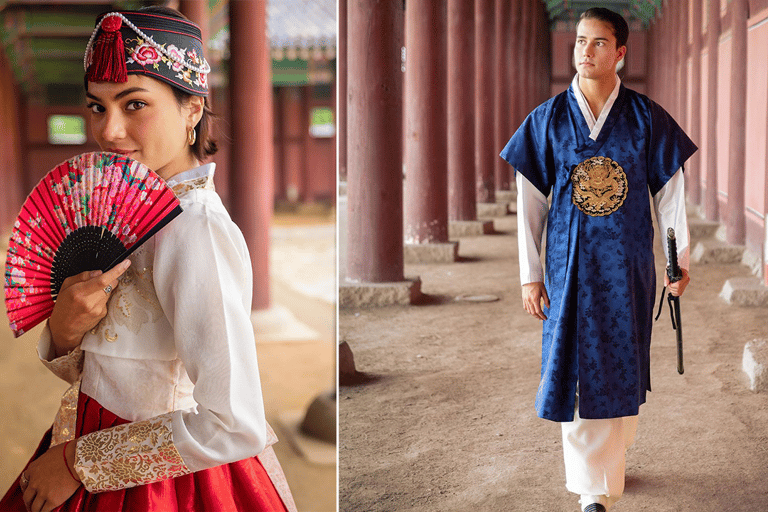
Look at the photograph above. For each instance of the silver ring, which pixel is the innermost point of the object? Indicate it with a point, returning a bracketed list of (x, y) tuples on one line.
[(24, 481), (108, 289)]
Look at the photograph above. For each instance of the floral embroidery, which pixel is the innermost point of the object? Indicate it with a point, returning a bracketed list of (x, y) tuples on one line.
[(134, 302), (175, 52), (145, 55), (129, 455)]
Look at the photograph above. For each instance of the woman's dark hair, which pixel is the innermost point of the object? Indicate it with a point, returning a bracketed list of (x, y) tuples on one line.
[(204, 145), (614, 19)]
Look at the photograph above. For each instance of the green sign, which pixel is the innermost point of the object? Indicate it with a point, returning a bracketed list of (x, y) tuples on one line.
[(66, 129), (321, 123)]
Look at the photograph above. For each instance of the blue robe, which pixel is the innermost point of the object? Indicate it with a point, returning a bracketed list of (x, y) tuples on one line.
[(600, 274)]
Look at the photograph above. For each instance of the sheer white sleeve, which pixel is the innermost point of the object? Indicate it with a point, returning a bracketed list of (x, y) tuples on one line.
[(532, 208), (669, 205), (204, 280)]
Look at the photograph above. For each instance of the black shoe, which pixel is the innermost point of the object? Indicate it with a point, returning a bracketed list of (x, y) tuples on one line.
[(594, 507)]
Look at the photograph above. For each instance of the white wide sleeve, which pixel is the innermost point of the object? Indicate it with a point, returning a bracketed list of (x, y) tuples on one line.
[(669, 205), (532, 208), (203, 280)]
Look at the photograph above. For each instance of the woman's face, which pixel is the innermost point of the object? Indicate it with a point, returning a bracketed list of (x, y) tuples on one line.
[(142, 120)]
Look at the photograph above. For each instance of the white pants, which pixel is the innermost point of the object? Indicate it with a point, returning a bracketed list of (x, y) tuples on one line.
[(594, 452)]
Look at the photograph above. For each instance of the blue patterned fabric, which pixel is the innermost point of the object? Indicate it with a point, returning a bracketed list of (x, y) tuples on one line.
[(600, 274)]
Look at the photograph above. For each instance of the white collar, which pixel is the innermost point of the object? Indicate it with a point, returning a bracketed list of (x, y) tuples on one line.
[(595, 125), (192, 174)]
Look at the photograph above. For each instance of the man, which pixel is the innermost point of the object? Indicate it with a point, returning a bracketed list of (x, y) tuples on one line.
[(596, 149)]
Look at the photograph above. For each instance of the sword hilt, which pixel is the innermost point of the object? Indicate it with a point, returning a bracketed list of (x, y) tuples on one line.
[(673, 270)]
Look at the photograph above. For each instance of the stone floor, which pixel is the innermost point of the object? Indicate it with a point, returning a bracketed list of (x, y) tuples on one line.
[(443, 419), (295, 368)]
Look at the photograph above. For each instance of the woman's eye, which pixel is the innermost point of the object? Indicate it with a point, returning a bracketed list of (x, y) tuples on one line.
[(95, 108), (136, 105)]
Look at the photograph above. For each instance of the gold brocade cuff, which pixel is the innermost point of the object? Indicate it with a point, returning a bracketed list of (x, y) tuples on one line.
[(64, 424), (128, 455)]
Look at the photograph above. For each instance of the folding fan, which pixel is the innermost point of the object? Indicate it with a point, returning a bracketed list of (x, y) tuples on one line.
[(88, 213)]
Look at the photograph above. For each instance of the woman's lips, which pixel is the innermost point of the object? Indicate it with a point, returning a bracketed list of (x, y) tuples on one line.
[(125, 152)]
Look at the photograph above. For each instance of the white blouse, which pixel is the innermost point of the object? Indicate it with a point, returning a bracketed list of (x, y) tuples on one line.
[(533, 206), (175, 355)]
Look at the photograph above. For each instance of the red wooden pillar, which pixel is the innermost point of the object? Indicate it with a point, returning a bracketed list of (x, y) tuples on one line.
[(341, 94), (521, 61), (545, 53), (674, 59), (484, 139), (295, 144), (252, 136), (197, 12), (682, 63), (711, 206), (533, 50), (462, 199), (693, 180), (426, 177), (374, 146), (513, 69), (501, 103), (664, 58), (736, 222)]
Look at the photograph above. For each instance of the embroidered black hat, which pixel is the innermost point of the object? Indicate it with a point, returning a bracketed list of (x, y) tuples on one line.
[(162, 47)]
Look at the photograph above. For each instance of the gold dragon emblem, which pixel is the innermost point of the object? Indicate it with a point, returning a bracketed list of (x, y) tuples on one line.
[(599, 186)]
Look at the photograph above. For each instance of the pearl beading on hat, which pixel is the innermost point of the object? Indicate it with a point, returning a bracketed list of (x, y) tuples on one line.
[(205, 69)]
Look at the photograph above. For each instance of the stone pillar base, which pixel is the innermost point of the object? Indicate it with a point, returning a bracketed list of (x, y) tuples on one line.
[(506, 196), (715, 251), (492, 210), (444, 252), (755, 364), (461, 228), (702, 228), (362, 295), (278, 324), (745, 291)]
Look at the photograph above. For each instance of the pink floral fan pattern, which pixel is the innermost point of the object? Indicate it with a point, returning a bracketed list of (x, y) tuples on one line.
[(88, 213)]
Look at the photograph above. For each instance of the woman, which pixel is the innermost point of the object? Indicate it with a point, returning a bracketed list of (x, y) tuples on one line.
[(165, 409)]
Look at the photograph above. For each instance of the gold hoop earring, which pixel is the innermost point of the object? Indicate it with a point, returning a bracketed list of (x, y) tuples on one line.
[(191, 136)]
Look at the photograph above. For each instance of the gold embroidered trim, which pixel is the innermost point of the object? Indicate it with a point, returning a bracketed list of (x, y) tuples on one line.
[(205, 182), (67, 367), (599, 186), (128, 455), (65, 423)]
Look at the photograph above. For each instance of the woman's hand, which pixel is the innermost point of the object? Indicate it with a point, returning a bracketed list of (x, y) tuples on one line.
[(47, 483), (80, 306), (677, 288), (533, 295)]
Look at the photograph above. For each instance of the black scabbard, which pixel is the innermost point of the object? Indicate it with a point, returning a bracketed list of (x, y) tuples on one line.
[(675, 274), (679, 330)]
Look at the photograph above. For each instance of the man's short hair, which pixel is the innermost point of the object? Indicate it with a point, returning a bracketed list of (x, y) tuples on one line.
[(616, 20)]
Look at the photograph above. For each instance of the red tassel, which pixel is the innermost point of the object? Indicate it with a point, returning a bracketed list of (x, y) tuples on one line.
[(108, 57)]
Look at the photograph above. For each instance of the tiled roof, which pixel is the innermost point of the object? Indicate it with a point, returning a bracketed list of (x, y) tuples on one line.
[(301, 23)]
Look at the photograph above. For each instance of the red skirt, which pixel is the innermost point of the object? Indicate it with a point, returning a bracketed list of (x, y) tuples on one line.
[(242, 485)]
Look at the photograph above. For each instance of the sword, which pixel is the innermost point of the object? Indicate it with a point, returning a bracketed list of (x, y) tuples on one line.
[(675, 274)]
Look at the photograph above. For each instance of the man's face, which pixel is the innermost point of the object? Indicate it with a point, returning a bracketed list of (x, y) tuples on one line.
[(595, 54)]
